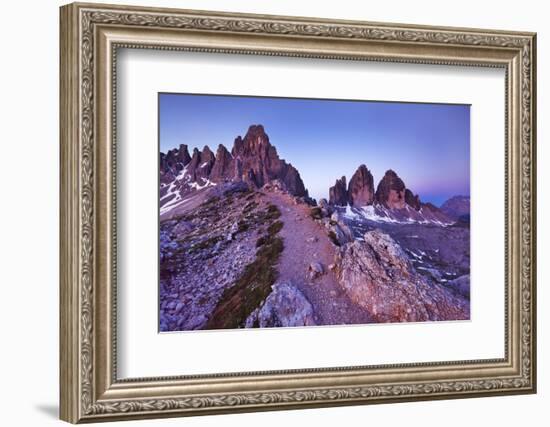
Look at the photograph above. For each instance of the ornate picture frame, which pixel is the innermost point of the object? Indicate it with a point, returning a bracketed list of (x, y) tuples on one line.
[(90, 37)]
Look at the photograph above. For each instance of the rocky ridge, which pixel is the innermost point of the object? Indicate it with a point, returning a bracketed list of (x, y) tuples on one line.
[(252, 160), (456, 207)]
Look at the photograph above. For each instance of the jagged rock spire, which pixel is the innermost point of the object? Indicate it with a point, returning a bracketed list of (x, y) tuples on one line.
[(361, 188), (338, 194), (252, 159)]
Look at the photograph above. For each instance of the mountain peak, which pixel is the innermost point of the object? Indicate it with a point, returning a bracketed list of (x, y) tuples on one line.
[(206, 154), (255, 143), (391, 191), (338, 194), (256, 136), (173, 162), (361, 187), (255, 131), (252, 159)]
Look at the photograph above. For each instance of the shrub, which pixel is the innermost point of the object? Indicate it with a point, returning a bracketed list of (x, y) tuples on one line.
[(275, 227), (272, 212), (254, 285), (250, 290)]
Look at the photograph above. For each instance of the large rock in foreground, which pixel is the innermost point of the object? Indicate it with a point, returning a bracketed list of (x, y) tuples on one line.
[(379, 276), (285, 306)]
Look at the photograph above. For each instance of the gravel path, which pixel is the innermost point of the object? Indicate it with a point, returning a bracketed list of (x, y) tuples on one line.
[(330, 304)]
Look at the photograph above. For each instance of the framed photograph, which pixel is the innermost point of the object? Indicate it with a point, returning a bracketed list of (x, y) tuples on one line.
[(266, 212)]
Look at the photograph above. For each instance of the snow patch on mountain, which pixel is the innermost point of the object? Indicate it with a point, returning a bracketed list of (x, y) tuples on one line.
[(407, 215)]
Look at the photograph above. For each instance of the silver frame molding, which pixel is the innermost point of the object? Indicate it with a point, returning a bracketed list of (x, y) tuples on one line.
[(90, 37)]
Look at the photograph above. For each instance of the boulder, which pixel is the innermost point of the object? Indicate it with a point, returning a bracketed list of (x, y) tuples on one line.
[(285, 306), (315, 270), (340, 228), (378, 275), (326, 208)]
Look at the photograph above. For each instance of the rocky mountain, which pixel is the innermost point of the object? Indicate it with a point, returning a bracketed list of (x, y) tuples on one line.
[(412, 200), (456, 207), (392, 201), (252, 160), (360, 191), (361, 187), (338, 194), (390, 192)]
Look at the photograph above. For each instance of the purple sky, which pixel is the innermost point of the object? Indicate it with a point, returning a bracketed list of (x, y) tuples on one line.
[(428, 145)]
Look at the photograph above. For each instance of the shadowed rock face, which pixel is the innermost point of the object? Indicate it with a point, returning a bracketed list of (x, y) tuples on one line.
[(194, 164), (361, 188), (173, 162), (338, 194), (390, 192), (412, 200), (377, 274), (206, 161), (223, 168)]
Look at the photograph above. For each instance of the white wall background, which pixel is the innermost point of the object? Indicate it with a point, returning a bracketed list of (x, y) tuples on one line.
[(29, 170)]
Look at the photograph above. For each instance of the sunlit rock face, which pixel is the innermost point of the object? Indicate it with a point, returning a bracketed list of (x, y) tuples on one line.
[(390, 192), (361, 188)]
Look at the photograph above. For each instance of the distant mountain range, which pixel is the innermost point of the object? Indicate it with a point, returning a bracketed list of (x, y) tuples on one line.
[(391, 202), (457, 207), (253, 160)]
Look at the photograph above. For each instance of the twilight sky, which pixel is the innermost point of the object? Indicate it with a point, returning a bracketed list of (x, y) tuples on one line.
[(428, 145)]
